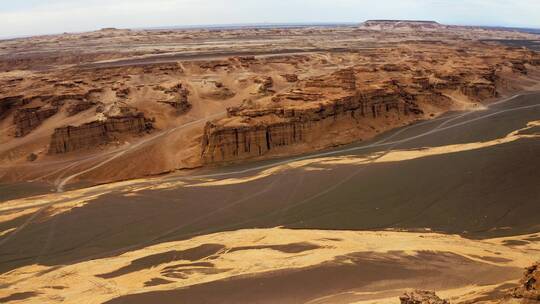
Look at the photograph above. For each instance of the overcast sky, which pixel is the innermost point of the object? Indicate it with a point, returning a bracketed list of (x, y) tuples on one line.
[(30, 17)]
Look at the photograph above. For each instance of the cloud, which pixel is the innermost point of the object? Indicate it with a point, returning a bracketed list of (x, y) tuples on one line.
[(24, 17)]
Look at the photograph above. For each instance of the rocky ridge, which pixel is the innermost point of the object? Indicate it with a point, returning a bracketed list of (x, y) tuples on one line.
[(421, 297), (27, 119), (397, 25), (297, 114), (111, 128), (349, 104)]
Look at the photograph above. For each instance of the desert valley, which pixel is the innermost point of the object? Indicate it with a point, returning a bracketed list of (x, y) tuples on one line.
[(277, 164)]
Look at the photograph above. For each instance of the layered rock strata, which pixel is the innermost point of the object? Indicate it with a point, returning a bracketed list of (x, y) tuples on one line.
[(77, 107), (7, 103), (27, 119), (303, 114), (95, 133), (358, 102)]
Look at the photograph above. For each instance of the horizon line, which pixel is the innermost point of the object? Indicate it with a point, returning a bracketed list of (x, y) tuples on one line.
[(253, 25)]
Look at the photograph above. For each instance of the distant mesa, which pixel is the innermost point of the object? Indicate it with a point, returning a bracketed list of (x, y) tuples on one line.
[(113, 30), (424, 22), (401, 24)]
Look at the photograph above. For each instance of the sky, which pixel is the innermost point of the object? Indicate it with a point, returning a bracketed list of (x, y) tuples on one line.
[(34, 17)]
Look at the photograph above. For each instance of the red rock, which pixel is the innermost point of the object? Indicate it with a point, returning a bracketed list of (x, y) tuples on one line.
[(93, 134), (290, 77), (77, 107), (421, 297), (529, 288), (180, 102), (27, 119)]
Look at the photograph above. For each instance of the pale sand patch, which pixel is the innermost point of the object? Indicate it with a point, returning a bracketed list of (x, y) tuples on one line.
[(82, 284), (130, 190), (15, 214), (2, 233), (66, 201)]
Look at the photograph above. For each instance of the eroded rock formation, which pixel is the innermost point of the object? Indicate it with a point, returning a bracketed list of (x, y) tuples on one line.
[(180, 101), (314, 107), (8, 103), (265, 85), (27, 119), (421, 297), (290, 77), (529, 288), (350, 102), (284, 96), (77, 107), (95, 133)]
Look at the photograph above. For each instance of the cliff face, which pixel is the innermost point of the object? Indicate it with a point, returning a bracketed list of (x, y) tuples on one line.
[(479, 91), (288, 127), (92, 134), (27, 119), (76, 108), (7, 103), (322, 104), (356, 103)]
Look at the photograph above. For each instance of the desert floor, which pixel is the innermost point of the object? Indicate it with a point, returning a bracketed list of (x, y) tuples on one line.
[(448, 204)]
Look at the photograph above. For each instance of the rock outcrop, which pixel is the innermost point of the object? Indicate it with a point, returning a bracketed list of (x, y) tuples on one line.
[(180, 102), (479, 91), (77, 107), (96, 133), (421, 297), (265, 85), (529, 288), (290, 77), (7, 103), (357, 102), (27, 119), (299, 116)]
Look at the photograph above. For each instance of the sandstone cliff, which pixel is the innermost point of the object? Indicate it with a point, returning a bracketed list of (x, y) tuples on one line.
[(77, 107), (8, 103), (95, 133), (357, 102), (329, 104), (27, 119)]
